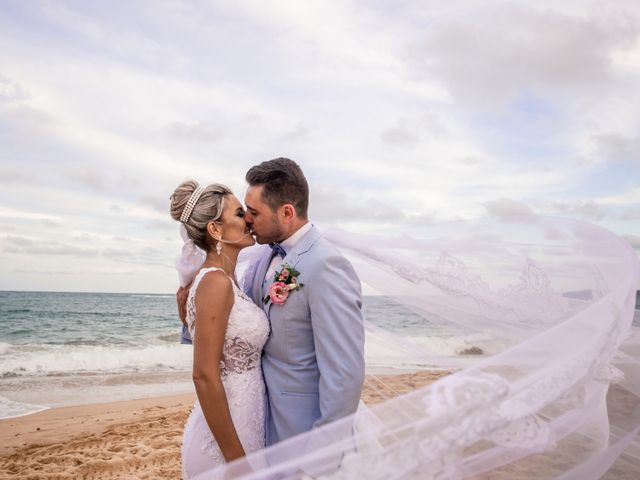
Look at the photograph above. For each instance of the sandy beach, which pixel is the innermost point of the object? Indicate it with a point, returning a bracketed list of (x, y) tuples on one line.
[(135, 439), (140, 439), (130, 439)]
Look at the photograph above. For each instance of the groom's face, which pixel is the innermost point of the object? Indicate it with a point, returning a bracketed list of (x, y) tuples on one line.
[(264, 222)]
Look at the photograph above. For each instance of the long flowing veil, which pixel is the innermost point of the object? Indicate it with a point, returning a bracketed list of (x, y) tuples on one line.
[(554, 391)]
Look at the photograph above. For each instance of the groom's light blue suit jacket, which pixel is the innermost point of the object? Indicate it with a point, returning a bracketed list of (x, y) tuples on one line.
[(313, 362)]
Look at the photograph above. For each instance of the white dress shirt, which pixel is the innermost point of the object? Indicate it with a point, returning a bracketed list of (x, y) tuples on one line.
[(287, 245)]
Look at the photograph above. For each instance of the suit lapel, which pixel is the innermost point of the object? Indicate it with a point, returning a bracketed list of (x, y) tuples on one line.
[(292, 258), (258, 281), (302, 247)]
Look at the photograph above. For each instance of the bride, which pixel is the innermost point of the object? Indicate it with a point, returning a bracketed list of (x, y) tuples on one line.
[(228, 330)]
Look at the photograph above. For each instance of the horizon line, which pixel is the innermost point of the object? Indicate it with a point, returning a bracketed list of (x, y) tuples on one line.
[(83, 291)]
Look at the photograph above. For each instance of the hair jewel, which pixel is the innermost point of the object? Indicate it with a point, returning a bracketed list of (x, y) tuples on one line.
[(188, 208)]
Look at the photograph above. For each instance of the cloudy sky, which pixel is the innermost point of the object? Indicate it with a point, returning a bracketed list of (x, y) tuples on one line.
[(400, 113)]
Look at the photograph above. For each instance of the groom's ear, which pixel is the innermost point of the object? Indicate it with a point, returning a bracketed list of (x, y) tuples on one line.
[(289, 211)]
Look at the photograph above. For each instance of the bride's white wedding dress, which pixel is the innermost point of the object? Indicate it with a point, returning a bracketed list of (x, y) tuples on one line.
[(247, 332)]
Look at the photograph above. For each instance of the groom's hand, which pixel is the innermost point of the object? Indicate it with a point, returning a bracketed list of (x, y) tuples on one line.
[(181, 299)]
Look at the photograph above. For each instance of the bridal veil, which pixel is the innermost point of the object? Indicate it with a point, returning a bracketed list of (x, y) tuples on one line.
[(554, 391)]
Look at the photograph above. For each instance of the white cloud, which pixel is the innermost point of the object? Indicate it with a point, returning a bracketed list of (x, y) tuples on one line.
[(399, 115), (10, 91), (15, 214), (504, 50), (198, 131), (400, 134), (25, 246), (507, 208), (626, 197), (617, 148), (587, 209)]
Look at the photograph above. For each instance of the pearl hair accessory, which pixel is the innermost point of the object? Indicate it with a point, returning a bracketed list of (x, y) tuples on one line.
[(191, 203)]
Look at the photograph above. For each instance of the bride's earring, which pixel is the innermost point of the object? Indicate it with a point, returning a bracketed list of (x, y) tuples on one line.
[(219, 247)]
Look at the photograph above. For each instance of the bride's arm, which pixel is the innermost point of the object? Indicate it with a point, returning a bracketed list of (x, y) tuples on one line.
[(214, 299)]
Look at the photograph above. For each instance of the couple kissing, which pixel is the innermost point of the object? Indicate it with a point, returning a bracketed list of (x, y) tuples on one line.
[(282, 352)]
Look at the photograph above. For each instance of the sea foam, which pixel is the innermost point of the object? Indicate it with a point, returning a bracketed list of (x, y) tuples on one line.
[(11, 409), (70, 359)]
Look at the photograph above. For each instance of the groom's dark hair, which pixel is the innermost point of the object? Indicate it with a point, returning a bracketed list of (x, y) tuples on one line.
[(283, 182)]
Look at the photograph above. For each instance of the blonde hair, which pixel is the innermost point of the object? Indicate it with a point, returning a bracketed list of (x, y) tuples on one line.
[(208, 208)]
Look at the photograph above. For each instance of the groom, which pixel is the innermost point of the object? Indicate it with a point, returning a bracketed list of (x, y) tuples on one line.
[(313, 361)]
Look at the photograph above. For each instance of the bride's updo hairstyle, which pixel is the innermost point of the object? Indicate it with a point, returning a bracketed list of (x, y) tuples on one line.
[(207, 208)]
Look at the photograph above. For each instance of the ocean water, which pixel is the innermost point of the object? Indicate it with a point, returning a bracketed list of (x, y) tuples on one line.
[(73, 348)]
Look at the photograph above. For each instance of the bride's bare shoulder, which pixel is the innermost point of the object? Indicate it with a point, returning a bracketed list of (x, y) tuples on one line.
[(214, 286)]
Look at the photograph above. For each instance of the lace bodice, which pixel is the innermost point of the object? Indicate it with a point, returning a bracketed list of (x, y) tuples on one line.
[(247, 329)]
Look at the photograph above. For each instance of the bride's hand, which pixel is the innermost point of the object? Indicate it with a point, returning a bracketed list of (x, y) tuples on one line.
[(240, 469), (181, 299)]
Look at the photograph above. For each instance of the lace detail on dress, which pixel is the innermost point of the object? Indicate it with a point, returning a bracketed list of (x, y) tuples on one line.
[(247, 395), (239, 356)]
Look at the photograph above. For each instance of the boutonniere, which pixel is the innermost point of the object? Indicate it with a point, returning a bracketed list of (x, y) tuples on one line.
[(284, 282)]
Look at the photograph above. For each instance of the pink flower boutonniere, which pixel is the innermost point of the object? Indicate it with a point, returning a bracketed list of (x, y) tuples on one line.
[(284, 282)]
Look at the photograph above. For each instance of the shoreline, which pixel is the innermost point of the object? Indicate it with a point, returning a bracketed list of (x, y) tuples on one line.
[(81, 390), (30, 394)]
